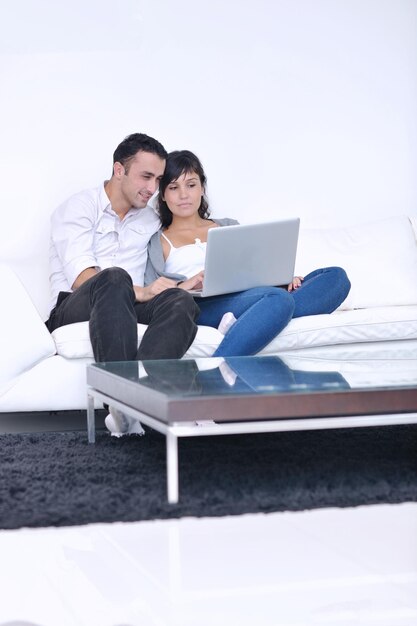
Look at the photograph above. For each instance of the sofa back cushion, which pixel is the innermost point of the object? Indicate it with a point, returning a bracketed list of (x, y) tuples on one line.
[(24, 338), (379, 257)]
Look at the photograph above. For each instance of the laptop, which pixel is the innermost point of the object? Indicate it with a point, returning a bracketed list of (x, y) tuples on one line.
[(249, 255)]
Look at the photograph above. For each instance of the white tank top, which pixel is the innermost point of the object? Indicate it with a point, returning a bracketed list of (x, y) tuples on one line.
[(187, 260)]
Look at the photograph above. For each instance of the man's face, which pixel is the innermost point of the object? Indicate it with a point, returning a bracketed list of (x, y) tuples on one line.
[(140, 179)]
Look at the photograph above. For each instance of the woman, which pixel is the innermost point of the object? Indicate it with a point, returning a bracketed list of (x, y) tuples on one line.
[(178, 251)]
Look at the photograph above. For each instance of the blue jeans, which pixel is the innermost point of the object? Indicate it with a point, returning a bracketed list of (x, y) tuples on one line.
[(263, 312)]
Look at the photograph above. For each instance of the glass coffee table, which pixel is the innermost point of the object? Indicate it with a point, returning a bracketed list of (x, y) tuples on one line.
[(258, 394)]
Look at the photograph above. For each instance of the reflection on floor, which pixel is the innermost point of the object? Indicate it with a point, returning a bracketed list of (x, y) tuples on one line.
[(330, 567)]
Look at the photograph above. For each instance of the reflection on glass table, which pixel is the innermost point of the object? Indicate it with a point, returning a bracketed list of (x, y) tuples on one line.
[(226, 376)]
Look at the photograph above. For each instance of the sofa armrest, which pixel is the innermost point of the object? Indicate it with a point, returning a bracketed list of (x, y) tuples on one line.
[(24, 338)]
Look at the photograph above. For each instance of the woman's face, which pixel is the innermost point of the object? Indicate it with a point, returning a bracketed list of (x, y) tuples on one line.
[(183, 196)]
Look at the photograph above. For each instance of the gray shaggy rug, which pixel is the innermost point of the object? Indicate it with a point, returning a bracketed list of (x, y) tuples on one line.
[(58, 479)]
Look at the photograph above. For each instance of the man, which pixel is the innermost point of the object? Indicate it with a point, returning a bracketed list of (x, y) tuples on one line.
[(97, 256)]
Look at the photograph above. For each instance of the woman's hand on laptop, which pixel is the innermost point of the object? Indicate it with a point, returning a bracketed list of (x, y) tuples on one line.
[(195, 282), (295, 283)]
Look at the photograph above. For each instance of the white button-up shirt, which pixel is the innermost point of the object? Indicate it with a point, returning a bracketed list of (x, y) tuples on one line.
[(86, 232)]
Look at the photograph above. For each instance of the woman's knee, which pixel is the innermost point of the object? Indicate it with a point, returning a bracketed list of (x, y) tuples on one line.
[(341, 279), (333, 275), (281, 301), (276, 297), (341, 275)]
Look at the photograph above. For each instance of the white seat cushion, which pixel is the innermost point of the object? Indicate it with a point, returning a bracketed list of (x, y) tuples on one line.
[(73, 341), (341, 327), (347, 327)]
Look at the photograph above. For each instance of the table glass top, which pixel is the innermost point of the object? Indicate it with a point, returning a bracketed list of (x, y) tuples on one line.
[(263, 375)]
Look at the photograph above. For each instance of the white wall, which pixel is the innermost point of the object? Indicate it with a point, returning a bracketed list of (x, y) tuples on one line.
[(302, 107)]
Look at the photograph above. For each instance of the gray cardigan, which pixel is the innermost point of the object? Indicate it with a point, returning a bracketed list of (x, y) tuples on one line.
[(155, 266)]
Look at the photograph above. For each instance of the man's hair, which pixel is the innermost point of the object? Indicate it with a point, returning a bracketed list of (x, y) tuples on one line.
[(137, 142), (178, 163)]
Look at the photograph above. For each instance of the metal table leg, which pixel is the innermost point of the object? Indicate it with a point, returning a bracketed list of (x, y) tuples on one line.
[(172, 467), (91, 426)]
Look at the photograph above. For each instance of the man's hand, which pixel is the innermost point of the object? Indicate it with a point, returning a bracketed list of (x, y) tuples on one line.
[(195, 282), (296, 283), (143, 294)]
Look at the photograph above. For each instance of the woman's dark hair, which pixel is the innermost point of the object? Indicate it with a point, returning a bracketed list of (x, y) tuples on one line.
[(137, 142), (178, 163)]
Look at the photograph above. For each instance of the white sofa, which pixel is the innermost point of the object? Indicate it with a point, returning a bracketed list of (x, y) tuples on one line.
[(43, 372)]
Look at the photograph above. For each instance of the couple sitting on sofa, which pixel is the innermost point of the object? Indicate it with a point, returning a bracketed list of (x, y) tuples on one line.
[(101, 270)]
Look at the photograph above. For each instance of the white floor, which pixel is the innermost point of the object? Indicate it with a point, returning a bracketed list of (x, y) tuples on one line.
[(330, 567)]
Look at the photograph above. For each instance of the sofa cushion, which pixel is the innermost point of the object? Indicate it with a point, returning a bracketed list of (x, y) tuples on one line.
[(347, 327), (341, 327), (73, 341), (24, 338), (379, 257)]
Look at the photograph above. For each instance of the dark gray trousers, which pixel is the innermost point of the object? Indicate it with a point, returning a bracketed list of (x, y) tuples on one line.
[(107, 302)]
